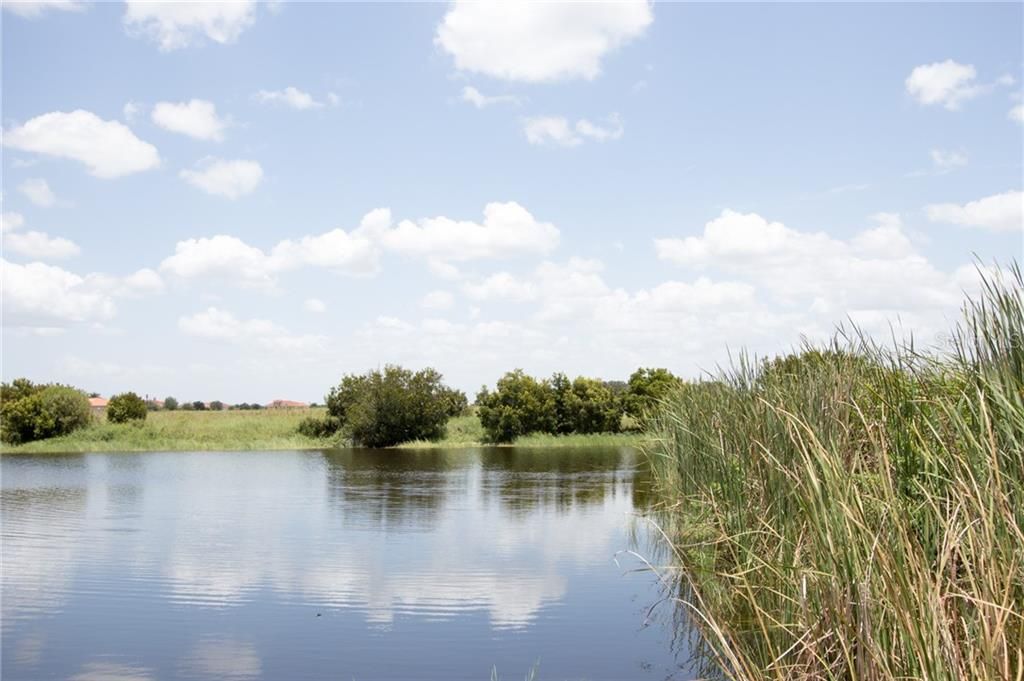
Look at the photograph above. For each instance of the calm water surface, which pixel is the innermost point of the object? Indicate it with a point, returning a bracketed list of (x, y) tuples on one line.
[(341, 565)]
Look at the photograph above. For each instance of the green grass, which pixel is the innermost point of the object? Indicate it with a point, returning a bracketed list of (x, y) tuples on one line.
[(466, 431), (186, 431), (266, 429), (860, 517)]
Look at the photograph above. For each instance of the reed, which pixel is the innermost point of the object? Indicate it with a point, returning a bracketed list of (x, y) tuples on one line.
[(855, 512)]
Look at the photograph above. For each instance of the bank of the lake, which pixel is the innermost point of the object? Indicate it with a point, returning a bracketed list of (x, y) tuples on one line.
[(263, 430)]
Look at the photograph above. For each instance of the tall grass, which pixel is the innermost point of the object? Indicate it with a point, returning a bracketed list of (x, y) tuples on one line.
[(858, 512)]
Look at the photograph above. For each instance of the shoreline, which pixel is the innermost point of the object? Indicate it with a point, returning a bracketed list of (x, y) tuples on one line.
[(248, 431)]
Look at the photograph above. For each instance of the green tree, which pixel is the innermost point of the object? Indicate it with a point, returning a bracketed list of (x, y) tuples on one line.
[(126, 407), (170, 404), (34, 412), (646, 388), (592, 407), (198, 405), (217, 405), (520, 404), (385, 408)]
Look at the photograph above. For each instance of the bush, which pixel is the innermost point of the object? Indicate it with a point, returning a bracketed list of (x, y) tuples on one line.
[(170, 404), (520, 404), (126, 407), (34, 412), (385, 408), (319, 428), (646, 388)]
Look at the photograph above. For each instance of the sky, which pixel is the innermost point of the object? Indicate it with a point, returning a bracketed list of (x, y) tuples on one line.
[(244, 201)]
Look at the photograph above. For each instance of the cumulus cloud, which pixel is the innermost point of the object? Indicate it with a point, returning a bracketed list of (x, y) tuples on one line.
[(196, 118), (945, 161), (437, 300), (108, 148), (538, 42), (38, 191), (480, 100), (221, 325), (33, 9), (314, 305), (507, 230), (40, 245), (40, 295), (174, 25), (543, 130), (290, 96), (999, 212), (948, 84), (877, 269), (230, 179), (33, 244), (1016, 113)]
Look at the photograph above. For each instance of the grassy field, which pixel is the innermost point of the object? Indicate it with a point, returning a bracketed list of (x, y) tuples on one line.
[(266, 429), (856, 514)]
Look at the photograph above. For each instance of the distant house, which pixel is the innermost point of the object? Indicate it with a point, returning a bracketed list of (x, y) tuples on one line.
[(287, 404), (97, 404)]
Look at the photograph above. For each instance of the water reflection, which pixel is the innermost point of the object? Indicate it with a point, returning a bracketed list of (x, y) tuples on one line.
[(324, 564)]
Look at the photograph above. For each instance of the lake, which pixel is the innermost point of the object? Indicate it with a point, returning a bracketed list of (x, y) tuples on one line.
[(347, 564)]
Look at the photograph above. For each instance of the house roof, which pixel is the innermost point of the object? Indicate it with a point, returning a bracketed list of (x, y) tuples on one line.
[(97, 401), (287, 403)]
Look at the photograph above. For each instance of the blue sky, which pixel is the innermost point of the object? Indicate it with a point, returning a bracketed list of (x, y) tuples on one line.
[(244, 201)]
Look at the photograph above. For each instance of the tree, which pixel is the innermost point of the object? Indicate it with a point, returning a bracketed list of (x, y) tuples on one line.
[(126, 407), (34, 412), (591, 407), (385, 408), (170, 404), (646, 388), (217, 405), (520, 404), (199, 406)]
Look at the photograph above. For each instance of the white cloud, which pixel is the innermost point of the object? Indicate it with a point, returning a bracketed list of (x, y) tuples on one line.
[(948, 160), (10, 221), (1016, 113), (501, 286), (314, 305), (999, 212), (33, 244), (480, 100), (40, 246), (290, 96), (40, 295), (508, 229), (948, 83), (216, 324), (535, 41), (108, 148), (130, 110), (874, 270), (174, 25), (542, 130), (231, 179), (33, 9), (437, 300), (38, 192), (196, 118)]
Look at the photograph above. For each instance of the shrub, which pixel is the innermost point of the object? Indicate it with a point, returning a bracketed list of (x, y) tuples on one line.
[(646, 388), (520, 404), (170, 404), (385, 408), (126, 407), (34, 412), (319, 428)]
